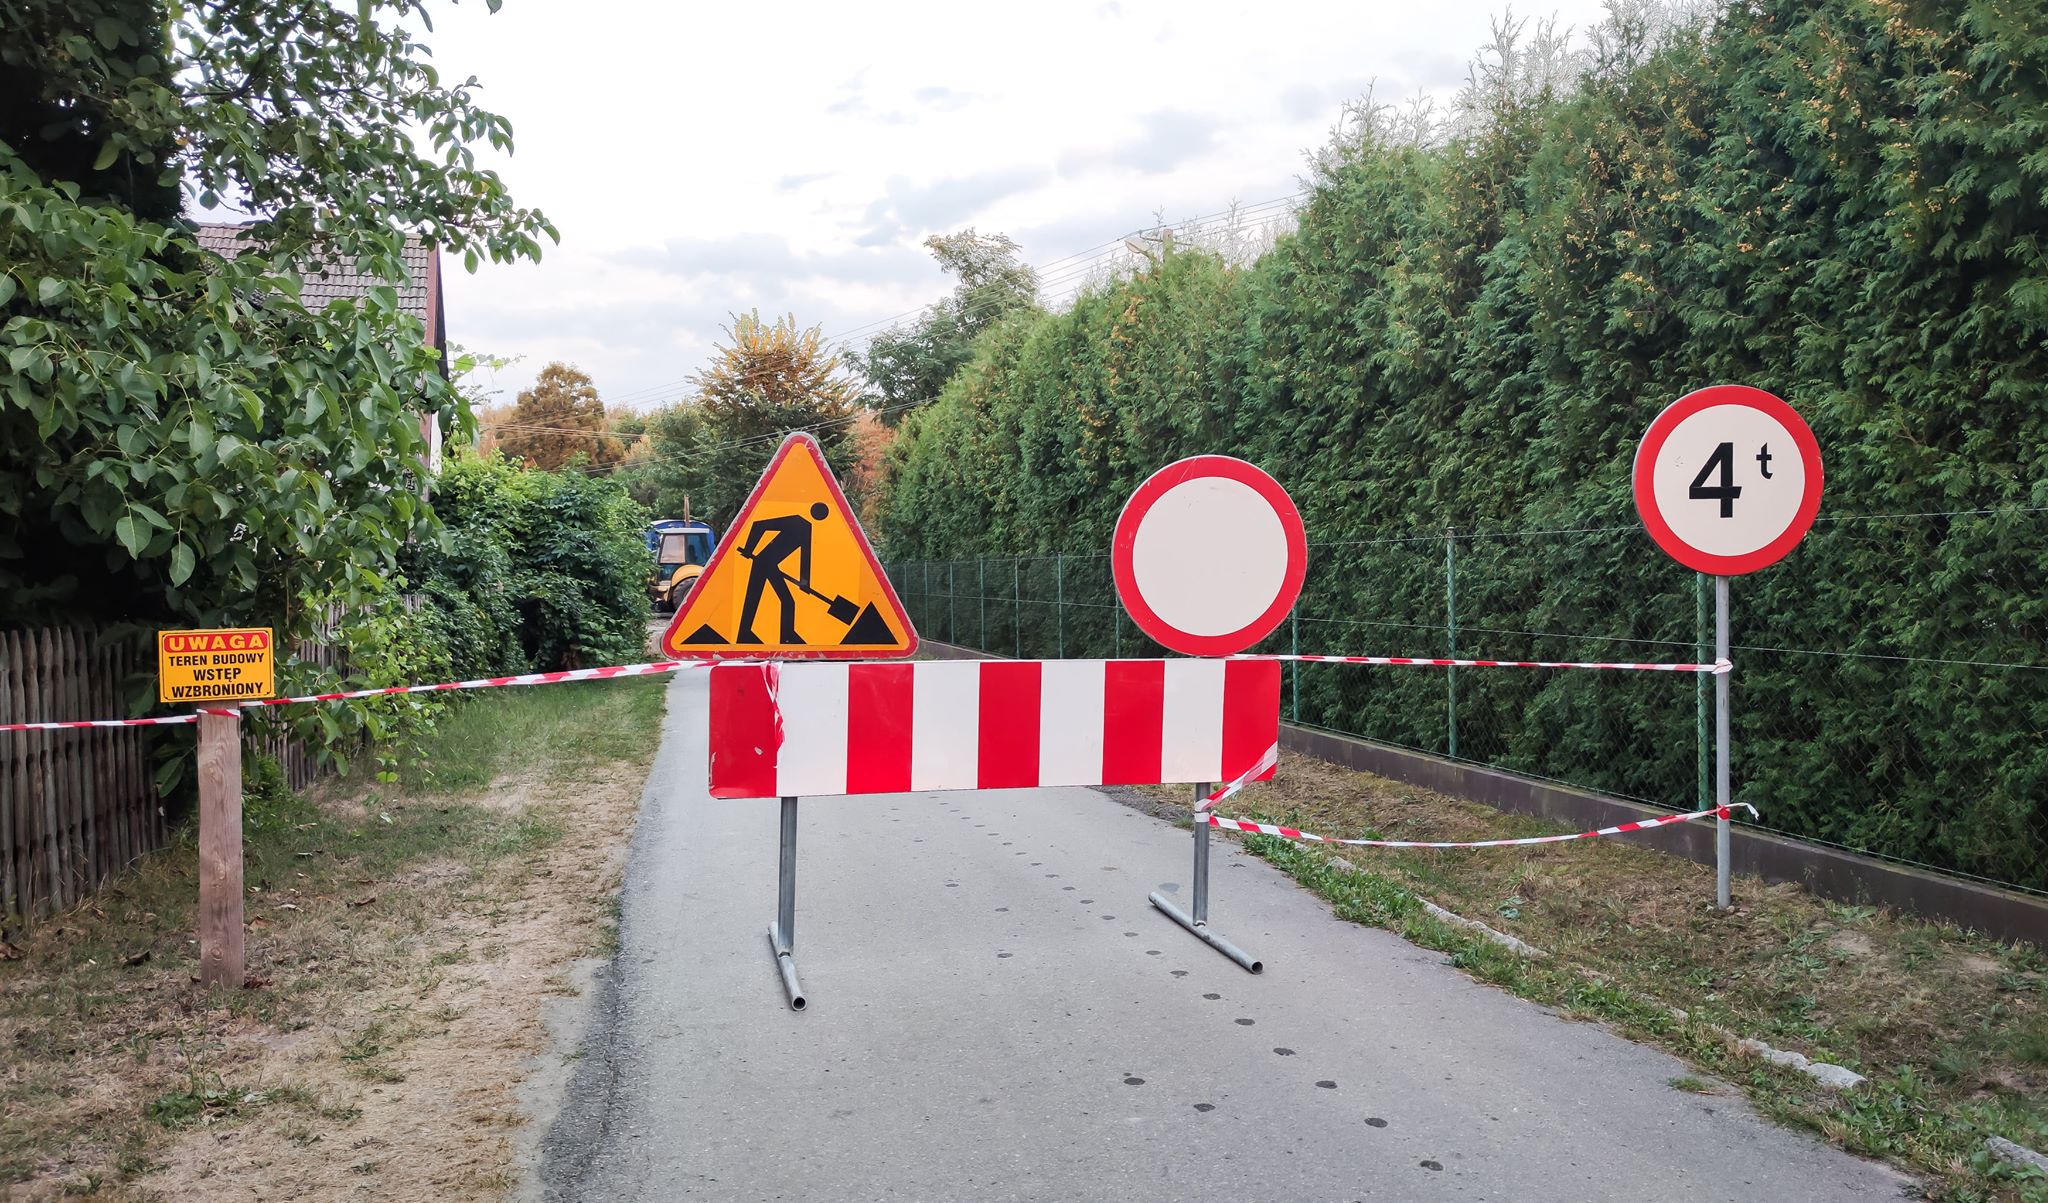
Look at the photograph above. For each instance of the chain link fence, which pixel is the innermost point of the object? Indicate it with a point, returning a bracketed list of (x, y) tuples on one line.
[(1905, 717)]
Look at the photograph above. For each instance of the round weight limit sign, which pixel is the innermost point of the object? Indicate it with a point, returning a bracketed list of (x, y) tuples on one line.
[(1728, 479), (1209, 555)]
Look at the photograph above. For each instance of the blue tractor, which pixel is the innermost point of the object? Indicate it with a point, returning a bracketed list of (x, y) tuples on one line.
[(681, 547)]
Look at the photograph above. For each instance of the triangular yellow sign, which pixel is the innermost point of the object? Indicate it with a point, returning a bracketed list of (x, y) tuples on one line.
[(793, 576)]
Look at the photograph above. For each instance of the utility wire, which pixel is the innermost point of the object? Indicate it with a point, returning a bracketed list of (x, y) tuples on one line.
[(1046, 278), (1076, 266), (773, 436), (1075, 272)]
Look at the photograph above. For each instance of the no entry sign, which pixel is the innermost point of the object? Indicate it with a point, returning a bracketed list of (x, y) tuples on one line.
[(1728, 479), (1209, 555)]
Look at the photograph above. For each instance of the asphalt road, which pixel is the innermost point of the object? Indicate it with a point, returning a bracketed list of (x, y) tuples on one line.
[(996, 1013)]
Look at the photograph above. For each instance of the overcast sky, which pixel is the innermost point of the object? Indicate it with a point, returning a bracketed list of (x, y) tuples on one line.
[(701, 159)]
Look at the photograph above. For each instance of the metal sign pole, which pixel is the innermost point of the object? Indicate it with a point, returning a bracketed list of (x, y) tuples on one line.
[(782, 932), (1692, 453), (1721, 743), (1198, 923)]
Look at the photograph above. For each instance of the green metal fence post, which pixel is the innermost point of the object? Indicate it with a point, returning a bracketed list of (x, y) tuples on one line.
[(1059, 605), (1116, 630), (1451, 634), (1294, 666), (1703, 688), (981, 603), (1017, 608), (952, 595)]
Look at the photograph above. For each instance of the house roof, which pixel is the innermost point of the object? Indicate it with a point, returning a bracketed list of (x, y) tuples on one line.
[(420, 295)]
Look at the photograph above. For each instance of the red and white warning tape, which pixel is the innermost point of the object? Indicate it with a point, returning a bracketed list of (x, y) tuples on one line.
[(1272, 758), (1266, 763), (549, 678), (664, 666), (1717, 667), (1289, 833), (159, 721)]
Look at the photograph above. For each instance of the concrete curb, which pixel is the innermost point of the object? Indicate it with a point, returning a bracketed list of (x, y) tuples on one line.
[(1518, 947), (1823, 871), (1826, 872), (1834, 1077), (2016, 1154)]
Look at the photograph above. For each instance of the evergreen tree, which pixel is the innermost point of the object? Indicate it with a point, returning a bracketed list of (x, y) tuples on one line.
[(1473, 325), (667, 474)]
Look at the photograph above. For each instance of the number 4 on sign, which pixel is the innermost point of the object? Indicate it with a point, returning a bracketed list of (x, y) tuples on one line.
[(1727, 491)]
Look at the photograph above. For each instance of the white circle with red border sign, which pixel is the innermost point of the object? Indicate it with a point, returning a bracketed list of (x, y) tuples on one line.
[(1209, 555), (1728, 479)]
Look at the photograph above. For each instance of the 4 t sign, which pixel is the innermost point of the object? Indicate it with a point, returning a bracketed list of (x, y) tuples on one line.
[(1728, 479)]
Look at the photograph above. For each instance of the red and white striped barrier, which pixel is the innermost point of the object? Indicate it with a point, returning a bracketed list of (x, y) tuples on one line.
[(1289, 833), (809, 729), (1716, 668)]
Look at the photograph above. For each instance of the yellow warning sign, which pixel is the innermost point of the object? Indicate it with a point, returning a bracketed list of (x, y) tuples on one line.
[(232, 665), (793, 576)]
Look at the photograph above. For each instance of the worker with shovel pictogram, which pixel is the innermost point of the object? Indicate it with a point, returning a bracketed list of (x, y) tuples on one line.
[(792, 537)]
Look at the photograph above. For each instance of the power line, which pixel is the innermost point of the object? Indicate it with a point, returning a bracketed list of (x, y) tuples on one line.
[(1077, 266), (530, 426), (1046, 278), (772, 436), (1075, 272)]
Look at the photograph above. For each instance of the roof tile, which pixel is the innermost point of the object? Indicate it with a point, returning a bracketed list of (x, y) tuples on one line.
[(333, 281)]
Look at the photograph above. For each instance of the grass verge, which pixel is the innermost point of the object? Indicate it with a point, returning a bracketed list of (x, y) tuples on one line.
[(400, 939), (1950, 1029)]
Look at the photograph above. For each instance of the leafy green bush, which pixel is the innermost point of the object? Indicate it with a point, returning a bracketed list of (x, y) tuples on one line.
[(186, 438), (536, 570)]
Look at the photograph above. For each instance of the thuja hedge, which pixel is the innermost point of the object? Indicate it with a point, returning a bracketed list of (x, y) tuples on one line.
[(1844, 203)]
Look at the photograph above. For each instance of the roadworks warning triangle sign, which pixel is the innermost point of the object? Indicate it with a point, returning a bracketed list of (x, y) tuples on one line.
[(793, 576)]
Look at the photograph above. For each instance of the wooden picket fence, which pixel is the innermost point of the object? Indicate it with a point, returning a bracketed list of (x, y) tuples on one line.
[(76, 807)]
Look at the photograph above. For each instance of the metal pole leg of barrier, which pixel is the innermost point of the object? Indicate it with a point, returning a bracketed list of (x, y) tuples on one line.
[(782, 932), (1198, 923)]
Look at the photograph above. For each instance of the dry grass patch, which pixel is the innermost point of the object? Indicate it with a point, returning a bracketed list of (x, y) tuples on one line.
[(401, 941)]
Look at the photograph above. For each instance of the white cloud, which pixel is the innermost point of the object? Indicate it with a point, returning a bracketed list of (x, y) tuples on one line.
[(1164, 140), (701, 160), (906, 209)]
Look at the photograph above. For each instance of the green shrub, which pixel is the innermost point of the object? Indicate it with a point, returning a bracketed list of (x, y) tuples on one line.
[(537, 570)]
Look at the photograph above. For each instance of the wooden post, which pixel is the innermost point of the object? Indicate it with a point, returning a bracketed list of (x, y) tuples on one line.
[(220, 850)]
